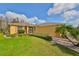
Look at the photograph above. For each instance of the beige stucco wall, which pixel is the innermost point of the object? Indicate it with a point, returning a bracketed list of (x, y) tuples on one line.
[(26, 29), (13, 29), (47, 30)]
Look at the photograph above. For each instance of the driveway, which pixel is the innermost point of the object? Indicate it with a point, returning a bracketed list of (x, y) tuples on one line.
[(66, 43)]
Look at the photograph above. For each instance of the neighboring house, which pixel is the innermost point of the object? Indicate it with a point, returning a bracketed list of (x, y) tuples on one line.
[(44, 28)]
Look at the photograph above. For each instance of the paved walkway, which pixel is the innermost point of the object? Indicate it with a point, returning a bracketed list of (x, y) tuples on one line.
[(66, 43)]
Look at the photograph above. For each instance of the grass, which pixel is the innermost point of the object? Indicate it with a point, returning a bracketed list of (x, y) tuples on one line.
[(31, 46)]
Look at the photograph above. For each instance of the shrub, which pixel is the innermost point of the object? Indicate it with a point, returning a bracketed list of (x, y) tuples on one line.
[(49, 38), (20, 31), (12, 35), (46, 37)]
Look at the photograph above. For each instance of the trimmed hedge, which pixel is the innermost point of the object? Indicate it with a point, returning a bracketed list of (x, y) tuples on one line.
[(46, 37), (20, 31)]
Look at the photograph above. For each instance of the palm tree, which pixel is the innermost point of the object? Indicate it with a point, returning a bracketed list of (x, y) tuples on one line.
[(64, 29)]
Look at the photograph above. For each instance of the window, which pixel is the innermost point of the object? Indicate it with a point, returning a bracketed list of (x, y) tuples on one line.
[(30, 29), (20, 30)]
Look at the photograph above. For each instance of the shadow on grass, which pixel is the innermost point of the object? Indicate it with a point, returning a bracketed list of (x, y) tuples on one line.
[(66, 50), (62, 48), (45, 37)]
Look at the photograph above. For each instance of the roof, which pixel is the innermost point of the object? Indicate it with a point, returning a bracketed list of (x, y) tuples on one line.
[(49, 23), (42, 24), (19, 24)]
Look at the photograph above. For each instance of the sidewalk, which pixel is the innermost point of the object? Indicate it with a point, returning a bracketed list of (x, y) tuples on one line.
[(65, 43)]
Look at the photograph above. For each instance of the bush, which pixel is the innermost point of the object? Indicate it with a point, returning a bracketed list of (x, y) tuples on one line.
[(49, 38), (12, 35), (46, 37), (20, 31)]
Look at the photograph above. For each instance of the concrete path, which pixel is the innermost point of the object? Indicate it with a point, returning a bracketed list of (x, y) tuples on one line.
[(65, 43)]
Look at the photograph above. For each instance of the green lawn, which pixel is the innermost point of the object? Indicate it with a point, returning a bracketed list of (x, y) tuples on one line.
[(31, 46)]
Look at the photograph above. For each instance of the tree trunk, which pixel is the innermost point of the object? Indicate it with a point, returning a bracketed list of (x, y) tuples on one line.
[(72, 41)]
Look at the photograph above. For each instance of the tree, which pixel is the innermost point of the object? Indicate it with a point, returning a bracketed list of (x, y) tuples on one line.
[(64, 29)]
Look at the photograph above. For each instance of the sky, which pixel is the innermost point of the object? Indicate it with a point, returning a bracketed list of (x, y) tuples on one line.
[(39, 10), (43, 12), (30, 10)]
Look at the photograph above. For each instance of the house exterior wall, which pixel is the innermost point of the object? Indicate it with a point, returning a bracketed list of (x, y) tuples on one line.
[(47, 30), (13, 30), (26, 29)]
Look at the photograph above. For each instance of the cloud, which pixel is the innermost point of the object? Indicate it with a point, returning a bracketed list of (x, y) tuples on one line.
[(2, 16), (67, 11), (70, 14), (35, 20), (42, 21), (61, 7), (75, 22), (12, 15), (71, 17)]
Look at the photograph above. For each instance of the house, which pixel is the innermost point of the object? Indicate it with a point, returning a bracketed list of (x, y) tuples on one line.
[(44, 28), (14, 27), (47, 28)]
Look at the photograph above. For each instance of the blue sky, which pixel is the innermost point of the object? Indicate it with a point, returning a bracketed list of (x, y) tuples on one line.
[(51, 12), (39, 10)]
